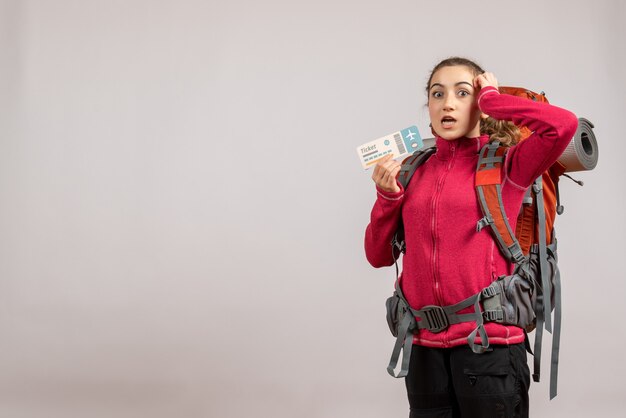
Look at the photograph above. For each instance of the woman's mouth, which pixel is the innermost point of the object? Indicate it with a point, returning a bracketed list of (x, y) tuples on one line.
[(447, 122)]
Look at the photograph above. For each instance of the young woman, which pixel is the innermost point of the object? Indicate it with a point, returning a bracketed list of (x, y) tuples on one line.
[(446, 260)]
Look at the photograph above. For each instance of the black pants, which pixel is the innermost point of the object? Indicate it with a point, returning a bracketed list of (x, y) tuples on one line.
[(455, 382)]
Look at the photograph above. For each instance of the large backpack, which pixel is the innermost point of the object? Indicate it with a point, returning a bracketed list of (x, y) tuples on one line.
[(525, 298)]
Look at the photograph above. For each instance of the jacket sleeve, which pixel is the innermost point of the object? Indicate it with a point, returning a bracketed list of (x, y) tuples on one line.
[(553, 128), (382, 227)]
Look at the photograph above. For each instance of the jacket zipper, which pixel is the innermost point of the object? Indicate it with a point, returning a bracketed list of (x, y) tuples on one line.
[(438, 294)]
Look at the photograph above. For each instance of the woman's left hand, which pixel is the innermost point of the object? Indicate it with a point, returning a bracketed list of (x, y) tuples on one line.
[(485, 80)]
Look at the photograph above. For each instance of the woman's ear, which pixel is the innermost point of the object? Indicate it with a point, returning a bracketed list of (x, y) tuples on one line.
[(484, 116)]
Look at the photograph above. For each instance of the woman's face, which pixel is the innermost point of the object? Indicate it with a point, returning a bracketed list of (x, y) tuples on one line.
[(452, 103)]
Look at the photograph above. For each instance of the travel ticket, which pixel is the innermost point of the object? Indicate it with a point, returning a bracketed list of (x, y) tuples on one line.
[(397, 144)]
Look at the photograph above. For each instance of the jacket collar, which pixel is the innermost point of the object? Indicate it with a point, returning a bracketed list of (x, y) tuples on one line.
[(461, 147)]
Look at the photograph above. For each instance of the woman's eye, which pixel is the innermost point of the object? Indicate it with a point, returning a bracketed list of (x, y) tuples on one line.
[(437, 94), (464, 93)]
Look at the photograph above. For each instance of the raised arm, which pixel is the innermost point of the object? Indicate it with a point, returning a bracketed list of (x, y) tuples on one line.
[(553, 128)]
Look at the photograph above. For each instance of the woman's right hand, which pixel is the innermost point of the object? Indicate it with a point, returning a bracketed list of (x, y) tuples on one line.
[(485, 80), (385, 173)]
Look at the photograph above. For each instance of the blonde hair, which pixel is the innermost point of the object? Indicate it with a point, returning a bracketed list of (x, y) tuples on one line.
[(498, 130)]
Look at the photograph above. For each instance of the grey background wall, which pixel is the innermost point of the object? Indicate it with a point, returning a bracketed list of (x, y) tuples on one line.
[(182, 209)]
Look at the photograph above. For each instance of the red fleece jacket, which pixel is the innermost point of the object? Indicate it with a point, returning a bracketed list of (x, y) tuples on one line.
[(446, 260)]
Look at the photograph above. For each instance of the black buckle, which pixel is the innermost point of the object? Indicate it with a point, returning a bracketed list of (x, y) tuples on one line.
[(434, 318)]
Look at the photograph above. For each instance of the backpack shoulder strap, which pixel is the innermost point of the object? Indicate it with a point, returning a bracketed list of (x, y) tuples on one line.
[(408, 168), (412, 163), (489, 190)]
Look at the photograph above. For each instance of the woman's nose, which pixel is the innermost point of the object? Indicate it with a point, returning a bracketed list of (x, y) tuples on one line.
[(448, 104)]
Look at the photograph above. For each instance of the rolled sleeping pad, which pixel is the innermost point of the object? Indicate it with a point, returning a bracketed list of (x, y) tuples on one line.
[(580, 155), (582, 152)]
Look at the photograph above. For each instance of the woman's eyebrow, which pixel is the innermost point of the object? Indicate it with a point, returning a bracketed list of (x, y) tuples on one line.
[(456, 84)]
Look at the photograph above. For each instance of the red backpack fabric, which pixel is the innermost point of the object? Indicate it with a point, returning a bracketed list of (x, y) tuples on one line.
[(526, 230)]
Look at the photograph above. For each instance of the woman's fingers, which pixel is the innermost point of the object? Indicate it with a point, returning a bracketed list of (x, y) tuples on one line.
[(391, 179), (486, 79), (379, 169), (385, 173), (390, 171)]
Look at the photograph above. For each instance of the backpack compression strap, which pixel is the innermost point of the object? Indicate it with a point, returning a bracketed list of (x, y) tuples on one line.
[(556, 332), (544, 306), (543, 254), (542, 290), (488, 187), (556, 336)]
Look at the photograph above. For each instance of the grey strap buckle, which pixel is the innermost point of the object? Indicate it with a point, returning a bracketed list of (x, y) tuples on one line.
[(399, 245), (433, 318), (495, 315), (483, 222), (528, 198), (490, 291), (517, 256)]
